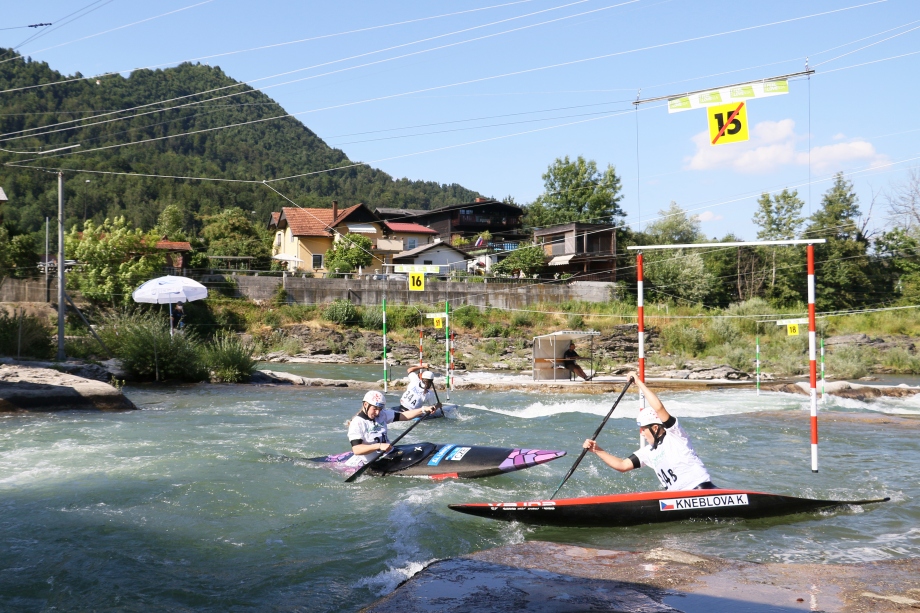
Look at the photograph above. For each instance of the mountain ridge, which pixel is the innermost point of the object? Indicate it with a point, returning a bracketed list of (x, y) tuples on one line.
[(264, 150)]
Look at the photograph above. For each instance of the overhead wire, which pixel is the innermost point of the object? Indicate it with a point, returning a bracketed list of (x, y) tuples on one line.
[(63, 21), (122, 27), (320, 65), (302, 40), (519, 72)]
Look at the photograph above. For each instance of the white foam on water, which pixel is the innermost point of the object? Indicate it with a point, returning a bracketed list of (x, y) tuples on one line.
[(386, 581)]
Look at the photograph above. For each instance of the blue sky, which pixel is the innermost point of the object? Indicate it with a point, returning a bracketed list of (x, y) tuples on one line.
[(490, 105)]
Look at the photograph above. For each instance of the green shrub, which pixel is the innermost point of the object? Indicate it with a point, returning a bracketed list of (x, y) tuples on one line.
[(681, 339), (145, 347), (901, 361), (574, 321), (493, 347), (372, 318), (229, 358), (35, 341), (494, 330), (401, 318), (468, 317), (738, 357), (521, 320), (271, 318), (848, 362), (340, 312), (357, 349)]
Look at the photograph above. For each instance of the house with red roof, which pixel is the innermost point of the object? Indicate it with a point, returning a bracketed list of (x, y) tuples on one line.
[(302, 235)]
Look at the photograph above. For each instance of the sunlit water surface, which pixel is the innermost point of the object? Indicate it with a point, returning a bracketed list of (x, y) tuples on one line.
[(202, 501)]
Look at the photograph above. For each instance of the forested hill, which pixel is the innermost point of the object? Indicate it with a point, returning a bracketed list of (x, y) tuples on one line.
[(264, 150)]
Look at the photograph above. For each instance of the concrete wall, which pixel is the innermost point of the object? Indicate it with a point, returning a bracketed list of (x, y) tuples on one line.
[(28, 290), (366, 291), (363, 291)]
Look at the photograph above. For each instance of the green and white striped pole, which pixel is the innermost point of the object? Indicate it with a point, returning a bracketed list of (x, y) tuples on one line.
[(386, 379), (757, 364), (823, 394), (447, 363)]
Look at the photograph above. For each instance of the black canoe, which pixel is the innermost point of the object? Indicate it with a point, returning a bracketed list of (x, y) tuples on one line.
[(649, 508), (447, 461)]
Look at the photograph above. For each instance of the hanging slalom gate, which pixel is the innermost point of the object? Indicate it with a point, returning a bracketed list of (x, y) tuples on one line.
[(812, 350)]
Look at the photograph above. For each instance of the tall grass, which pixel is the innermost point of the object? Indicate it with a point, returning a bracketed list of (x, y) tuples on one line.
[(229, 358), (32, 339)]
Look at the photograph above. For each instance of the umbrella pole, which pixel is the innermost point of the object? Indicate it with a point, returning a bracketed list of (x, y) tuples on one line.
[(170, 320)]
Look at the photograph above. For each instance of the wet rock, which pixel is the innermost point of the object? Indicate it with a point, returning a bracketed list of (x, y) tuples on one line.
[(719, 372), (26, 388)]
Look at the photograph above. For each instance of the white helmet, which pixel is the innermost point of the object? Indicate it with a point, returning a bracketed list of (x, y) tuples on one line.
[(376, 399), (647, 417), (428, 375)]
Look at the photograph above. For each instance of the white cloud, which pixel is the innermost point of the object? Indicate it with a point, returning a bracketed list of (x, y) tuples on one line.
[(773, 145), (839, 136), (709, 216)]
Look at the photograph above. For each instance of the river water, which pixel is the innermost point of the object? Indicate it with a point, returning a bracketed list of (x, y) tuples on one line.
[(202, 501)]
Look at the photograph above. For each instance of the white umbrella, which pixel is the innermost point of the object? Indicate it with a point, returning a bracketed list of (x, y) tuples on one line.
[(170, 289)]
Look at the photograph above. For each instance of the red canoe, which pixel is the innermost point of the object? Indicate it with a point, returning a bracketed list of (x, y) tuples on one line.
[(650, 507)]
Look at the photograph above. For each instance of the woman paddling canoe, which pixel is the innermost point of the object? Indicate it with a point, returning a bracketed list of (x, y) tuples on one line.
[(669, 453), (367, 431)]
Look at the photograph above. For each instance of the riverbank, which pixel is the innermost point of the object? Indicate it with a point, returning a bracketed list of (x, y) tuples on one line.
[(540, 576)]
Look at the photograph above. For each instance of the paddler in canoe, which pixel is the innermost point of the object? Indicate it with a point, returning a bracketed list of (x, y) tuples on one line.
[(420, 391), (669, 453), (367, 431)]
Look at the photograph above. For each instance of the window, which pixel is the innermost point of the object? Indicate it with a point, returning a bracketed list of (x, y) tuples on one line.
[(291, 231), (277, 238), (317, 261), (428, 262), (411, 243)]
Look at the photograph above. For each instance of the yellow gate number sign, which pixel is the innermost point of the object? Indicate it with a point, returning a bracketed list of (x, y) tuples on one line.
[(417, 281), (728, 123), (792, 330), (438, 323)]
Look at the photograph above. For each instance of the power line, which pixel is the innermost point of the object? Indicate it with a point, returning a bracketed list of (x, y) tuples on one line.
[(302, 40), (281, 74), (504, 75)]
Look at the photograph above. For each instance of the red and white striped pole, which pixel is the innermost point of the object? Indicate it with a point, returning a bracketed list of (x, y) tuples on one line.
[(640, 302), (812, 358), (420, 352)]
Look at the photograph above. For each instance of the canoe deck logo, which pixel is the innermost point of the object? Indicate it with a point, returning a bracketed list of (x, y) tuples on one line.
[(703, 502)]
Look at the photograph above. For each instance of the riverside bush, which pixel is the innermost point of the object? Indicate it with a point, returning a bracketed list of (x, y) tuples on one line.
[(229, 358), (372, 318), (147, 351), (848, 363), (36, 336), (901, 361), (681, 339), (340, 312)]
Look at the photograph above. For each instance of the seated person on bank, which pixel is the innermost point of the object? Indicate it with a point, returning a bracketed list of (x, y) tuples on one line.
[(571, 365), (669, 453)]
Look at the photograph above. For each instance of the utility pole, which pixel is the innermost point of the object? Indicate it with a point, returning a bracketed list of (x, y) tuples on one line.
[(61, 356), (47, 287)]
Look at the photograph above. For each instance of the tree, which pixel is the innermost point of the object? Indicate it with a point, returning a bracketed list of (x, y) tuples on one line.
[(171, 222), (779, 218), (842, 266), (232, 233), (904, 203), (674, 227), (529, 260), (114, 260), (679, 274), (899, 257), (577, 191), (348, 252)]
